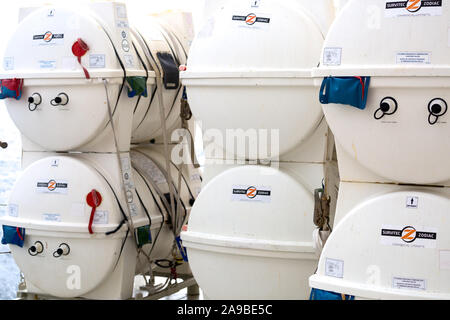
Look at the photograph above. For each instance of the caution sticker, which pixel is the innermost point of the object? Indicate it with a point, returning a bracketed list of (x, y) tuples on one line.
[(413, 8), (409, 237), (252, 194), (53, 186)]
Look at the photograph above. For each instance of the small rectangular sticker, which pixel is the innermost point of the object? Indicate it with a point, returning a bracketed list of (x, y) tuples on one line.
[(129, 60), (8, 63), (413, 8), (101, 217), (252, 194), (13, 210), (332, 56), (133, 210), (413, 58), (409, 284), (51, 217), (334, 268), (47, 64), (412, 202), (52, 186), (121, 11), (97, 61), (409, 237)]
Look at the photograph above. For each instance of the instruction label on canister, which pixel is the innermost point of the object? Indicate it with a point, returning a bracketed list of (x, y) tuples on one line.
[(413, 8), (409, 284), (252, 194), (332, 56), (51, 217), (334, 268), (97, 61), (101, 217), (413, 58)]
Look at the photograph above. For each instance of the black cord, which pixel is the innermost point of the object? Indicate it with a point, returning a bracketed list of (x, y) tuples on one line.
[(121, 249), (117, 229), (143, 206)]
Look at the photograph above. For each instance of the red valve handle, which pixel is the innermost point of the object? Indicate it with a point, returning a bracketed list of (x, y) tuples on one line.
[(79, 49), (94, 200)]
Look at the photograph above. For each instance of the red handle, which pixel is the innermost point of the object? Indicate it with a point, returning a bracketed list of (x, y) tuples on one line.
[(79, 49), (94, 200)]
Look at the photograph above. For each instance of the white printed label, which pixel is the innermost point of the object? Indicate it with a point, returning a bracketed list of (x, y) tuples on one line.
[(409, 237), (334, 268), (409, 284), (101, 217), (255, 3), (55, 163), (97, 61), (121, 11), (332, 56), (412, 202), (52, 186), (413, 8), (51, 217), (133, 210), (8, 63), (47, 64), (413, 58), (13, 210), (122, 24), (252, 194), (129, 60)]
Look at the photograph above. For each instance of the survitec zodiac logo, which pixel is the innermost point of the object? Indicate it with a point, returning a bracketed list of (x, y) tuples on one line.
[(414, 6)]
